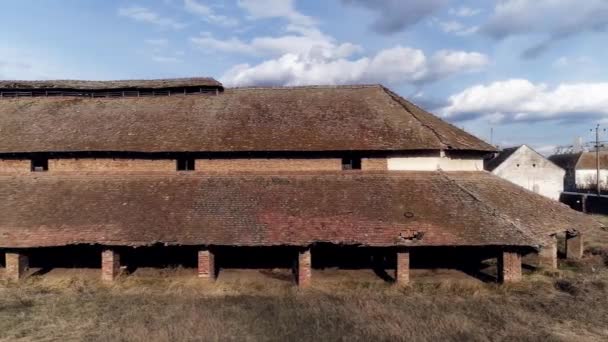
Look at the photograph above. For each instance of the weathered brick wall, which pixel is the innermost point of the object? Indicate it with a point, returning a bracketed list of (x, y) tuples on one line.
[(402, 271), (15, 165), (109, 164), (206, 264), (374, 164), (16, 265), (268, 164), (509, 267), (304, 268), (110, 265), (547, 256)]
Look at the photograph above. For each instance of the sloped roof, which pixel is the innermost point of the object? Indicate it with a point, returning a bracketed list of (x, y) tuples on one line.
[(503, 155), (581, 160), (588, 160), (537, 213), (110, 85), (359, 208), (345, 118)]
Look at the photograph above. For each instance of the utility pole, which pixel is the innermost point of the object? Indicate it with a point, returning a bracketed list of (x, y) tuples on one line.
[(597, 158)]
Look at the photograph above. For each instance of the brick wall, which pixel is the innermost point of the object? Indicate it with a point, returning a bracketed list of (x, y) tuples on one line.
[(374, 164), (109, 164), (268, 164), (110, 265), (16, 265), (15, 165), (574, 246), (509, 267), (402, 271), (547, 256), (206, 264), (304, 268)]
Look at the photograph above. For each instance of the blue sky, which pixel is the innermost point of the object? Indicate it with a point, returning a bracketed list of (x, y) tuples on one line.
[(533, 70)]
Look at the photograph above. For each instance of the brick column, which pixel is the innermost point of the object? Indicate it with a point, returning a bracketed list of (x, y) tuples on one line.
[(402, 270), (16, 265), (547, 256), (110, 265), (304, 268), (206, 264), (509, 267), (574, 245)]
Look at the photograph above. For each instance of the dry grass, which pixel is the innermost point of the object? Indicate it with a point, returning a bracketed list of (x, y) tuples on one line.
[(569, 305)]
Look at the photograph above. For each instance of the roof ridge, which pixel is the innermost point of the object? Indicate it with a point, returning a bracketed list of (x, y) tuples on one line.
[(400, 100), (494, 210), (320, 86)]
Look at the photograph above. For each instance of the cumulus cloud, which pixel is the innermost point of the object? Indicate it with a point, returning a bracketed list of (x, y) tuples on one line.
[(464, 11), (519, 100), (455, 27), (145, 15), (265, 9), (208, 14), (396, 15), (556, 19), (300, 40), (391, 66)]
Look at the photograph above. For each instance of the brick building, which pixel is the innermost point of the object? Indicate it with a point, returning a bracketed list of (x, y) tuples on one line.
[(102, 170)]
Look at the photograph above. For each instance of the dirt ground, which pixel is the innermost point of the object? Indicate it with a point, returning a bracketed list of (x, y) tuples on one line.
[(570, 304)]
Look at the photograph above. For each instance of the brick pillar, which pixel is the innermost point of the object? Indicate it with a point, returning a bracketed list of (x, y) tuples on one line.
[(509, 267), (206, 264), (304, 268), (547, 256), (574, 245), (16, 265), (110, 265), (402, 270)]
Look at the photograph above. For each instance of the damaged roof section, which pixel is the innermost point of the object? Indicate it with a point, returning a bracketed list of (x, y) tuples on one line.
[(372, 209), (308, 119)]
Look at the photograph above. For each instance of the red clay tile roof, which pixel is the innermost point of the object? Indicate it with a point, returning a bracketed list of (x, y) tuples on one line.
[(345, 118), (359, 208), (111, 85)]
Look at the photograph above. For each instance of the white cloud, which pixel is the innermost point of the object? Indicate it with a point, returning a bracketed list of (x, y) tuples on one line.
[(397, 15), (145, 15), (266, 9), (464, 11), (301, 41), (208, 14), (393, 66), (457, 28), (521, 100)]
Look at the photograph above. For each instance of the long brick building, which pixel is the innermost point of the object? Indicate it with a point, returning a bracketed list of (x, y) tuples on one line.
[(112, 167)]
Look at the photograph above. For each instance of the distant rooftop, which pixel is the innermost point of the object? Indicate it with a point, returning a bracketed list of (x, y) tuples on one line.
[(120, 88)]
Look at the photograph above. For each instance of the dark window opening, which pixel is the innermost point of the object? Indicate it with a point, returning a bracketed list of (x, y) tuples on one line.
[(351, 163), (40, 164), (185, 164)]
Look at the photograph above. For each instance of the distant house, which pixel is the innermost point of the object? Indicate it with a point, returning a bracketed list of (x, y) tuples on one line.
[(527, 168), (581, 170)]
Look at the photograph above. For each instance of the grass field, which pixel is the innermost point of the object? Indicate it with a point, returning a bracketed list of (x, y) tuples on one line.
[(567, 305)]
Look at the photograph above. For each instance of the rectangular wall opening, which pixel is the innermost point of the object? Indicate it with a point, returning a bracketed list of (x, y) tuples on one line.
[(40, 164), (185, 164), (351, 163)]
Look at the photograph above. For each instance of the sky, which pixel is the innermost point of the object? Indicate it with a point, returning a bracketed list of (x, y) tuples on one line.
[(529, 71)]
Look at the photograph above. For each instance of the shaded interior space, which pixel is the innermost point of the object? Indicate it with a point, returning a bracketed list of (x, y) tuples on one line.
[(476, 262), (345, 259), (276, 263), (561, 245), (143, 260), (44, 260)]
